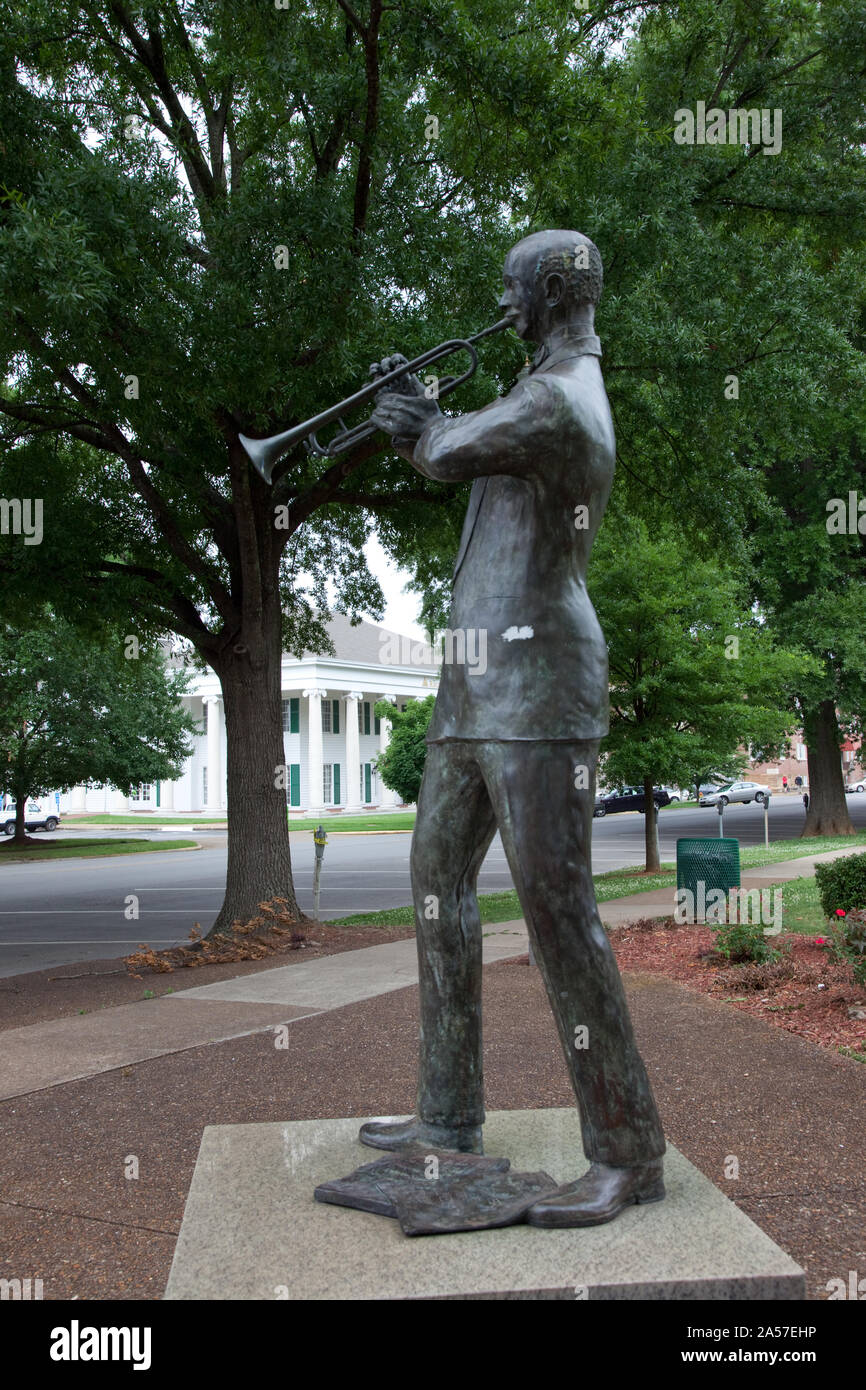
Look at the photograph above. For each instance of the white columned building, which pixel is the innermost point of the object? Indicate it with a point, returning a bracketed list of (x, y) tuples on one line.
[(315, 761), (215, 790), (354, 766), (331, 733), (389, 797)]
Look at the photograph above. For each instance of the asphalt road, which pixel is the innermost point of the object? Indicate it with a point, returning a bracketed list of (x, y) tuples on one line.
[(55, 913)]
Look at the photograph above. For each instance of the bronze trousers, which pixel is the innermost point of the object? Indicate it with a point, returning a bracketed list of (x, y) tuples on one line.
[(540, 796)]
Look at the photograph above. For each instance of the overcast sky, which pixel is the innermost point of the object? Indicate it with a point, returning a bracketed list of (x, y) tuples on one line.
[(401, 610)]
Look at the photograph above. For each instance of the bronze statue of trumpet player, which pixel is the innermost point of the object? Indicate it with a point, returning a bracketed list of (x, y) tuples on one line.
[(514, 747), (266, 453)]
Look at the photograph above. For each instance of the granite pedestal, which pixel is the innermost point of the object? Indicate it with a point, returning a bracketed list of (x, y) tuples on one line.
[(252, 1230)]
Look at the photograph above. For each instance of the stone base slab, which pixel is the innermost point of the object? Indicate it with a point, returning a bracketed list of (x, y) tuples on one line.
[(252, 1229)]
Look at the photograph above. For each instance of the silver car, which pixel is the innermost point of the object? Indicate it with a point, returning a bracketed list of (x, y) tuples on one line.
[(736, 791)]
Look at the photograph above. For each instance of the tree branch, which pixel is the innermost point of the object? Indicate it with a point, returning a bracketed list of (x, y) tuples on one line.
[(364, 176)]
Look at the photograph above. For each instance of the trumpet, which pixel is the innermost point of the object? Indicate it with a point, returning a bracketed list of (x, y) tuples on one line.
[(266, 453)]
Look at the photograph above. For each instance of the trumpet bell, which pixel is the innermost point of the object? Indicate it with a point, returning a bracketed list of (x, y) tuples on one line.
[(265, 454)]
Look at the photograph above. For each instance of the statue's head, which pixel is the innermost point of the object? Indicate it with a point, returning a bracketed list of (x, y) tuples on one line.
[(551, 278)]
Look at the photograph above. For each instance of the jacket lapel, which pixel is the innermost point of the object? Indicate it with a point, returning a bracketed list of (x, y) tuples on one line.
[(476, 497)]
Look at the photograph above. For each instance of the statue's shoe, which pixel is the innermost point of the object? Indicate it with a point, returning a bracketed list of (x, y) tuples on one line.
[(404, 1134), (599, 1196)]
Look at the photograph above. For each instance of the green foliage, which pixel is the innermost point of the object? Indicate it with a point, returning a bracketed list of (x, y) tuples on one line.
[(744, 941), (154, 162), (693, 672), (74, 712), (401, 766), (842, 889), (849, 943), (842, 884)]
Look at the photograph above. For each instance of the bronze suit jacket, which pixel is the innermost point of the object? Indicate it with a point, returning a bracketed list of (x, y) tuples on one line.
[(542, 458)]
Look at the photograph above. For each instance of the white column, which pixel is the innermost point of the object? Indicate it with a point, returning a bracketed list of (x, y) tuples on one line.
[(387, 797), (214, 744), (314, 749), (119, 802), (353, 752), (166, 796), (78, 799)]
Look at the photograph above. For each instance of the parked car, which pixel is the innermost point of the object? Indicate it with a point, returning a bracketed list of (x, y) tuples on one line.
[(856, 787), (627, 799), (736, 791), (34, 818)]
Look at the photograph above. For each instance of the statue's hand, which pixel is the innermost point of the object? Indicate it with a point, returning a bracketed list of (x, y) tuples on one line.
[(404, 417), (408, 385)]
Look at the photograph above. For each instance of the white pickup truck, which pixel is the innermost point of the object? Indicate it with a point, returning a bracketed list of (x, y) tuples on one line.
[(36, 817)]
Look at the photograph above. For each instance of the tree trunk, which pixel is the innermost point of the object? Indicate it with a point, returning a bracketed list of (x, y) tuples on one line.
[(651, 832), (828, 810), (21, 837), (259, 859)]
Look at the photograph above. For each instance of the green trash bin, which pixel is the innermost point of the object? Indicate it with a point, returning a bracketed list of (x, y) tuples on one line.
[(704, 865)]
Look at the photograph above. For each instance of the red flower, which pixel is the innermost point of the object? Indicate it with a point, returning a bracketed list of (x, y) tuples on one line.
[(821, 941), (840, 912)]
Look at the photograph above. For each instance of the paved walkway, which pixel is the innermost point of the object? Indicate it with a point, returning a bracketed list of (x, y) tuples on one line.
[(68, 1049), (48, 1054)]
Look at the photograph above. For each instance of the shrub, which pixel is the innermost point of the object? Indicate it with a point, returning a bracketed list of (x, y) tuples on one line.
[(842, 883), (849, 943), (744, 941), (757, 977)]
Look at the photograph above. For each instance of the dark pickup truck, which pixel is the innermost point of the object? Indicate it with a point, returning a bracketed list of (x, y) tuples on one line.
[(628, 799)]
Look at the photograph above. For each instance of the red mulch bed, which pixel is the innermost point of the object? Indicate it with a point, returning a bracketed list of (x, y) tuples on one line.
[(806, 992)]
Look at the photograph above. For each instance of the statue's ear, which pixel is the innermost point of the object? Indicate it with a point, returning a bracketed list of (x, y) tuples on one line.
[(554, 288)]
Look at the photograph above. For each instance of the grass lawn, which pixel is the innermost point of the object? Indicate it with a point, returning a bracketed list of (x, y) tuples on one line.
[(398, 820), (756, 856), (69, 822), (88, 849), (801, 906), (799, 903)]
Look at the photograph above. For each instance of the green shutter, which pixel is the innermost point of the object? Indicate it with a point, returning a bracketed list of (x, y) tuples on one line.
[(336, 781), (294, 716), (368, 788), (377, 725), (366, 716), (295, 784), (335, 722), (157, 793)]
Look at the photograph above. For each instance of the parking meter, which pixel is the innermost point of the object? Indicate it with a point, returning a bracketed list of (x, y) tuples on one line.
[(720, 807), (320, 839), (767, 819)]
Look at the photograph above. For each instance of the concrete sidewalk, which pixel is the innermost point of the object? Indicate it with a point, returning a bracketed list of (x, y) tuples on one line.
[(67, 1049)]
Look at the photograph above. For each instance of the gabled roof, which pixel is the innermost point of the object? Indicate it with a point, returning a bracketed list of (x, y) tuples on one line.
[(366, 642)]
